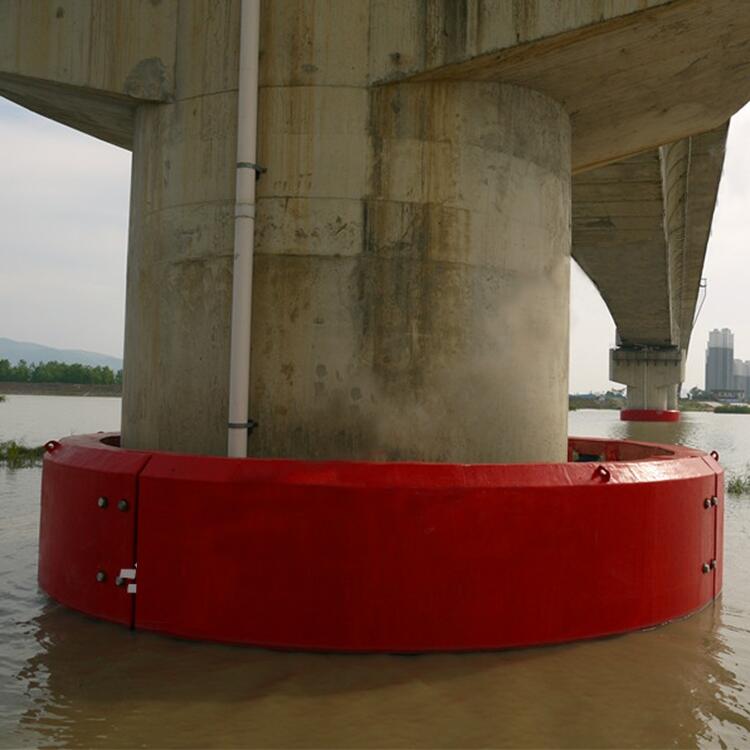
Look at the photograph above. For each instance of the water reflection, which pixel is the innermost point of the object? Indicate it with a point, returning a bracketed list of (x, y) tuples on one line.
[(729, 434), (95, 685), (671, 433)]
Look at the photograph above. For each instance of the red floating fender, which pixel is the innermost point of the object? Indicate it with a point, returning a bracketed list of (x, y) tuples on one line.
[(650, 415), (394, 557)]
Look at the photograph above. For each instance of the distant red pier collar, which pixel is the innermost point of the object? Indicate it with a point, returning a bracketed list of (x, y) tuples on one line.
[(394, 557), (650, 415)]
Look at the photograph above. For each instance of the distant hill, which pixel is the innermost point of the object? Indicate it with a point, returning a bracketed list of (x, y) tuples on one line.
[(17, 350)]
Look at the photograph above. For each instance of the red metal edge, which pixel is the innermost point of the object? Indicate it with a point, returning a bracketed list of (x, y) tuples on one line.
[(79, 541), (650, 415), (359, 556), (712, 460)]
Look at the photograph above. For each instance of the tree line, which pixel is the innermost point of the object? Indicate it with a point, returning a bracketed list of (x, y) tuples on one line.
[(57, 372)]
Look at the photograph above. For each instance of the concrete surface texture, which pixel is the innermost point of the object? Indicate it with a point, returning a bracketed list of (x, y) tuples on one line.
[(180, 248), (452, 285), (411, 276)]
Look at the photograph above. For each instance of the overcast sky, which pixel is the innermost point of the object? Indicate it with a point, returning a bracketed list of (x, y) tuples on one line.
[(63, 243)]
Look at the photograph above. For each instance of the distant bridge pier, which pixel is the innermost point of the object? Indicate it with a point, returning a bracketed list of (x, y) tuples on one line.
[(653, 376)]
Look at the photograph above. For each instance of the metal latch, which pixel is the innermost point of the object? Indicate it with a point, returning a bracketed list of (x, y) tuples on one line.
[(127, 574)]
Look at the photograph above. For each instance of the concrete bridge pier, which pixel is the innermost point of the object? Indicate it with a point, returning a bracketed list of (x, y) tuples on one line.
[(652, 375), (413, 222), (424, 315)]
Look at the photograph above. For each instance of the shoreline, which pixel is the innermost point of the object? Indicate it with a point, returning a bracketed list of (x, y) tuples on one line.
[(60, 389)]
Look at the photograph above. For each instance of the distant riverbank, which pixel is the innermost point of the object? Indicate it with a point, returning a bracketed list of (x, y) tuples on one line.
[(617, 402), (59, 389)]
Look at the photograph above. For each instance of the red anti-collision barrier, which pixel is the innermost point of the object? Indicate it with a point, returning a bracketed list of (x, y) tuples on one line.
[(650, 415), (84, 538), (384, 556)]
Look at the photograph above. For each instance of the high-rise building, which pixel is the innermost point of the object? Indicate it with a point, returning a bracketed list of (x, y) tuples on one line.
[(742, 378), (720, 360)]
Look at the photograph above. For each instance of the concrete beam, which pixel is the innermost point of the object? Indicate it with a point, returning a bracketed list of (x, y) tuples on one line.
[(618, 240), (631, 81), (692, 172), (88, 63), (640, 231), (106, 116)]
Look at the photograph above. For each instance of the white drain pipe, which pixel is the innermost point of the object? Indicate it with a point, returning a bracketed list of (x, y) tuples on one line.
[(244, 230)]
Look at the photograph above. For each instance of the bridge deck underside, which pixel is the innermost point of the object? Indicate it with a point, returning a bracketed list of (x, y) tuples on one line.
[(640, 230)]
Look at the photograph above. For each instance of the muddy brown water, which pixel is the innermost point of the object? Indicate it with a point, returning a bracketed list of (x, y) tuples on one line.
[(66, 680)]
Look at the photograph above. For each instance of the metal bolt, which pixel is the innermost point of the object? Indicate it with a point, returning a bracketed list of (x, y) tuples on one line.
[(714, 501), (706, 567), (713, 564), (101, 576), (102, 502), (119, 581), (122, 505), (707, 503)]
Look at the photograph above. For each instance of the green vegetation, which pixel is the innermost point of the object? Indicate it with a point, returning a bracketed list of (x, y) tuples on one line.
[(732, 409), (687, 404), (57, 372), (16, 456), (739, 484), (608, 400), (2, 398)]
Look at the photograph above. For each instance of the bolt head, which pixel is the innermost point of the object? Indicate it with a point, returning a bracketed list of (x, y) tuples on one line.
[(706, 567), (119, 581), (707, 503), (102, 502), (101, 576), (712, 564), (122, 505), (714, 501)]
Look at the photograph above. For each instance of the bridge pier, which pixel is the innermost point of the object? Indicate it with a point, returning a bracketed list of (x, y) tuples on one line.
[(438, 331), (411, 274), (412, 234), (652, 375)]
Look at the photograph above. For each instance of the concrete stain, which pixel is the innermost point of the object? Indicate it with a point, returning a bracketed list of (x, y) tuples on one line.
[(148, 80)]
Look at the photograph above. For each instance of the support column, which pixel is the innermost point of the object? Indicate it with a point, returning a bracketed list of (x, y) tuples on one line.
[(180, 251), (425, 318), (412, 255), (652, 376), (673, 397)]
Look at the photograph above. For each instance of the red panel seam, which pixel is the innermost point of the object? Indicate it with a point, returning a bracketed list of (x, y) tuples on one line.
[(715, 511), (716, 529), (136, 505)]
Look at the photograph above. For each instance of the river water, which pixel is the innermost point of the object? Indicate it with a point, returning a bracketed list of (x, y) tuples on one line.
[(66, 680)]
